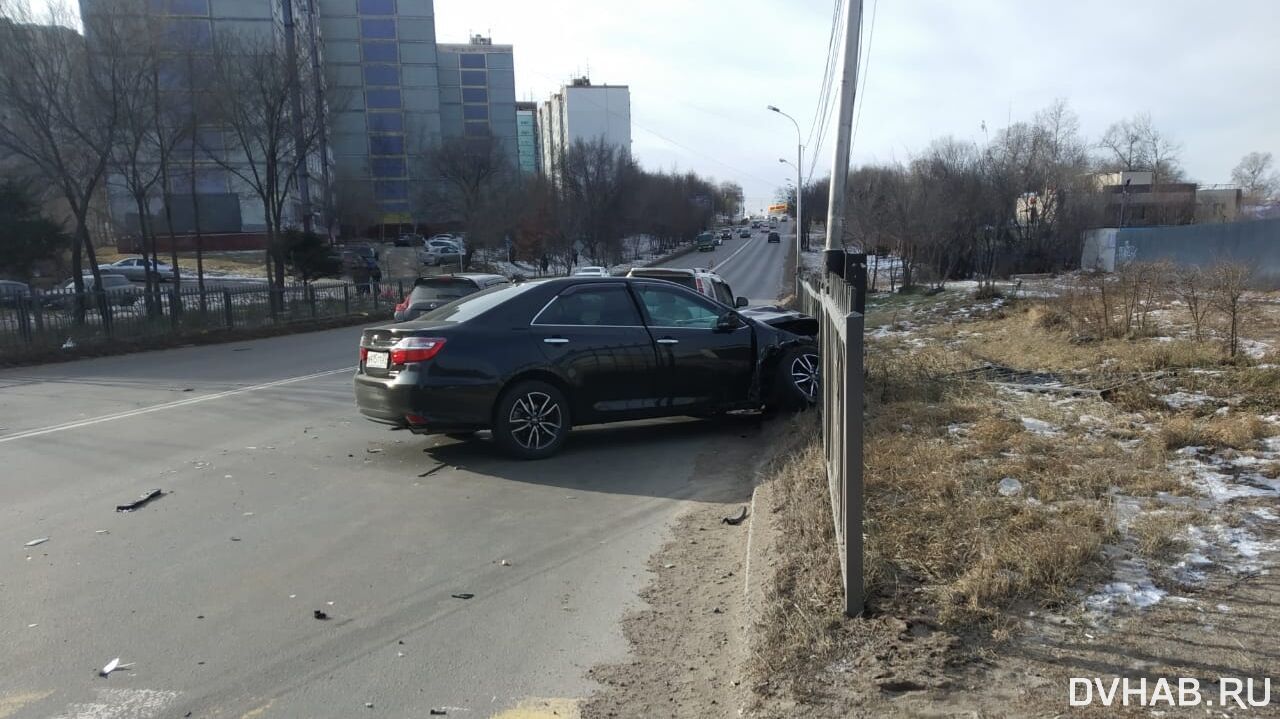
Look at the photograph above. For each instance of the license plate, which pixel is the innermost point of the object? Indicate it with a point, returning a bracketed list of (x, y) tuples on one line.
[(377, 360)]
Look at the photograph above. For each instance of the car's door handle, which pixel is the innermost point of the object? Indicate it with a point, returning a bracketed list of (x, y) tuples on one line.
[(555, 340), (668, 341)]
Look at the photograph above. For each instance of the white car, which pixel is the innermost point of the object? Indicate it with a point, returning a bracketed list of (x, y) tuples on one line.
[(699, 279), (591, 271), (436, 252), (135, 268)]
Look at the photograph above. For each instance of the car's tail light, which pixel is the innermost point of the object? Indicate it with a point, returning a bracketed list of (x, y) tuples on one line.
[(416, 349), (364, 354), (403, 305), (698, 280)]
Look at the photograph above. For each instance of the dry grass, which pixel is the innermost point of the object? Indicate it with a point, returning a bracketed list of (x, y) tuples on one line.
[(1237, 431), (1155, 533)]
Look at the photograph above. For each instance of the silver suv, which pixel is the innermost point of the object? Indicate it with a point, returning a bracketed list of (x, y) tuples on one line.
[(698, 279)]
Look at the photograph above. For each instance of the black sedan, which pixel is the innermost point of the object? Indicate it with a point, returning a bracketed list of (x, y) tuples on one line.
[(528, 361)]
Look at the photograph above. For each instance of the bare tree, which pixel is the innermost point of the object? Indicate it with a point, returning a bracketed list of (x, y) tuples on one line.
[(253, 89), (1190, 286), (1255, 177), (594, 177), (60, 109), (1228, 283), (475, 177)]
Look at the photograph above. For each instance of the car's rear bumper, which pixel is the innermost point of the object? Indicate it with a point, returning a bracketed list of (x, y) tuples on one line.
[(405, 401)]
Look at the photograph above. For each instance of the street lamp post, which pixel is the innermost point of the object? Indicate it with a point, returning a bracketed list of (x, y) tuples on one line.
[(799, 190)]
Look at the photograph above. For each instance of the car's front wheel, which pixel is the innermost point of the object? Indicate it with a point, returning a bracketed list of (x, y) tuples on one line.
[(797, 380), (531, 420)]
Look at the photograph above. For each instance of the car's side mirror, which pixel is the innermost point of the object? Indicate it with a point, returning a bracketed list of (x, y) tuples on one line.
[(740, 302), (728, 321)]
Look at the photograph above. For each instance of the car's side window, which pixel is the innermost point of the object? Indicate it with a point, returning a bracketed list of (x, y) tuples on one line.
[(598, 305), (723, 293), (673, 308)]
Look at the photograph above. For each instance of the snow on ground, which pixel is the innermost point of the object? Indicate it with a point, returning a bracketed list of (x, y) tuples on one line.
[(1133, 588), (1181, 400), (1039, 426)]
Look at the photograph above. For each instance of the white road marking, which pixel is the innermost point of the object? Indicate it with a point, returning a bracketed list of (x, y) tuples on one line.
[(122, 704), (168, 405), (729, 259)]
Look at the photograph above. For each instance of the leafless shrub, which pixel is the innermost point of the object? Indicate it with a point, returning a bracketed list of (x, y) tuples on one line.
[(1228, 283), (1191, 285)]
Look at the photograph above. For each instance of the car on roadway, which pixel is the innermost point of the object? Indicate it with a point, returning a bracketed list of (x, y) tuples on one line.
[(726, 234), (699, 279), (591, 271), (744, 233), (13, 293), (429, 293), (707, 242), (135, 269), (529, 361), (436, 252), (117, 289), (775, 237)]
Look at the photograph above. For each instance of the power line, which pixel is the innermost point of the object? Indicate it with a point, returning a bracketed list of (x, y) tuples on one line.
[(631, 119), (828, 72), (866, 70), (823, 117)]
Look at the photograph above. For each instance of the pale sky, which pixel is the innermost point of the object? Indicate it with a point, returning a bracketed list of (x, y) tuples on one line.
[(702, 71)]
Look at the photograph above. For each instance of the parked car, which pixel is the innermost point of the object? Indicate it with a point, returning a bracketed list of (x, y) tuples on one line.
[(744, 233), (531, 360), (431, 292), (699, 279), (409, 239), (12, 293), (436, 252), (118, 289), (707, 242), (135, 269), (591, 271), (355, 263), (364, 249), (775, 237)]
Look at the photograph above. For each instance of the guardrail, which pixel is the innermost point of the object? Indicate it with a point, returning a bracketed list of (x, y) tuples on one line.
[(838, 302), (51, 320)]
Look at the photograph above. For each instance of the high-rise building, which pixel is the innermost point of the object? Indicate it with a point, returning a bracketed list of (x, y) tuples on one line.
[(527, 137), (478, 92), (381, 65), (582, 111)]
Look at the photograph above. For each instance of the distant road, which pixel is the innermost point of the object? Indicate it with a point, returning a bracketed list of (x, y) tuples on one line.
[(754, 268)]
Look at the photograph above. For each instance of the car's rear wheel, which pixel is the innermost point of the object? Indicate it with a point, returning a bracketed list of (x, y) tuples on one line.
[(797, 380), (531, 420)]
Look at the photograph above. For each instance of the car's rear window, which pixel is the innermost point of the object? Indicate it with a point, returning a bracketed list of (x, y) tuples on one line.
[(442, 289), (478, 303), (680, 279)]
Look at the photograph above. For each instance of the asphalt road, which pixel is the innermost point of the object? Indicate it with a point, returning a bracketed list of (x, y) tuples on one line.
[(280, 501), (753, 267)]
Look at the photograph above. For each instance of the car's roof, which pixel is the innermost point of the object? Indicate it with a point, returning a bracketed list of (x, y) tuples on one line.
[(657, 272)]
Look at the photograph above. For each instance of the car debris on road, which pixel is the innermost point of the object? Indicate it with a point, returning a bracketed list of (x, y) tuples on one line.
[(141, 501), (36, 542), (112, 666), (736, 520), (317, 614), (462, 595)]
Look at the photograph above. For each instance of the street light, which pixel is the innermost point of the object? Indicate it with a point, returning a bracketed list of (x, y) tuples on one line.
[(799, 189)]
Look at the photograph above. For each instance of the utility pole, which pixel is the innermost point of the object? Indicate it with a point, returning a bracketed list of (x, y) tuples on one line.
[(844, 131)]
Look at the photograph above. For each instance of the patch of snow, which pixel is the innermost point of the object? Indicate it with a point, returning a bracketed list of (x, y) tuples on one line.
[(1265, 514), (1179, 400), (1218, 486), (1254, 349), (1039, 426), (1189, 451), (1136, 590), (1009, 487)]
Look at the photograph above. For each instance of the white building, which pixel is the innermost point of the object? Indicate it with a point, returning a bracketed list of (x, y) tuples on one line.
[(582, 111)]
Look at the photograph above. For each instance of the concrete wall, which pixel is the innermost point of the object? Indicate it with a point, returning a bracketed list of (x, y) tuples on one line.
[(1254, 243)]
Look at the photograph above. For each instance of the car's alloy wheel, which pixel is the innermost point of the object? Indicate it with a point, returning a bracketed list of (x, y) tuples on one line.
[(535, 421), (806, 375)]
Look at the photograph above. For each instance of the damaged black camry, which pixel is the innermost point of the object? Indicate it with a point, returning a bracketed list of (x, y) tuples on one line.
[(529, 361)]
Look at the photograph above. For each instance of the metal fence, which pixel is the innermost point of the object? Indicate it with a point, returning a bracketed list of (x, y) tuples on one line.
[(838, 302), (65, 319)]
